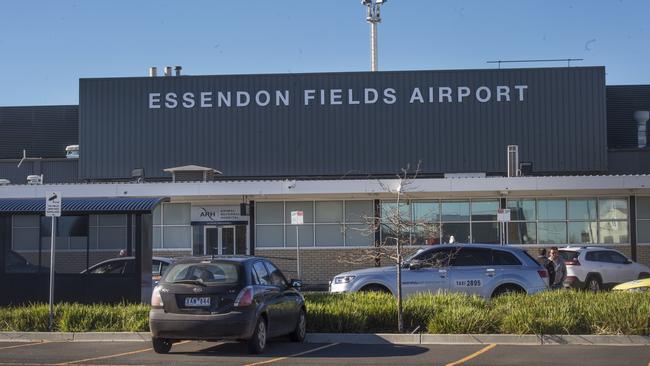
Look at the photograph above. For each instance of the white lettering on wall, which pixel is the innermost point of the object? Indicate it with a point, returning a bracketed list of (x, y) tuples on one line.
[(335, 96), (351, 99), (366, 95), (243, 99), (224, 99), (309, 95), (265, 101), (503, 91), (416, 95), (206, 99), (282, 97), (463, 92), (520, 89), (389, 96), (154, 100), (487, 94), (444, 92), (170, 100), (188, 100)]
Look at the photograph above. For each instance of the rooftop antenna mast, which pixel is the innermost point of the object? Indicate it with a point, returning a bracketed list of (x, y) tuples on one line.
[(23, 158), (373, 17)]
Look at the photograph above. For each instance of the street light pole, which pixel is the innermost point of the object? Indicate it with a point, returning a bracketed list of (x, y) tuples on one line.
[(373, 17)]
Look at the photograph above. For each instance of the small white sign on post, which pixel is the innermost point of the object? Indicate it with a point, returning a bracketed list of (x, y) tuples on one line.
[(503, 215), (297, 218), (53, 204)]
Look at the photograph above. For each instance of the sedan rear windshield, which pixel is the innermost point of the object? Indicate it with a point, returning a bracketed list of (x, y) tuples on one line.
[(205, 272)]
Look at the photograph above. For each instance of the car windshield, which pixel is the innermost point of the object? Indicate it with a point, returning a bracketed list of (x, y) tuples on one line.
[(205, 272), (569, 255)]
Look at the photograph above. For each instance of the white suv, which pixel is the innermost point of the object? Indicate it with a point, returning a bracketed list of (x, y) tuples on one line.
[(596, 268)]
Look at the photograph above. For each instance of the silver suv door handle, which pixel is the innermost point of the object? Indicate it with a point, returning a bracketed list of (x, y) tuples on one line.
[(490, 272), (442, 273)]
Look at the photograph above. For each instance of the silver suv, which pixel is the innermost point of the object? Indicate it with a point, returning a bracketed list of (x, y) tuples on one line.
[(596, 268), (486, 270)]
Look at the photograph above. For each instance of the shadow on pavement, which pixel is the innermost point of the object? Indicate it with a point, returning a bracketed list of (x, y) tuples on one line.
[(283, 349)]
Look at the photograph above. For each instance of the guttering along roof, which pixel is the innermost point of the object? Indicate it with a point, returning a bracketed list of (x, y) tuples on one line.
[(82, 205)]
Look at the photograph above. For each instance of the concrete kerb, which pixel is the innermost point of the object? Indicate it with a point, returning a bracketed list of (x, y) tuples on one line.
[(356, 338)]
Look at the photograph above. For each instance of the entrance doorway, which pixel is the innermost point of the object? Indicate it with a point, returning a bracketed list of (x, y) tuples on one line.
[(225, 240)]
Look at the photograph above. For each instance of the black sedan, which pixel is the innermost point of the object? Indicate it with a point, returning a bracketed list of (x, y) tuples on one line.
[(240, 298)]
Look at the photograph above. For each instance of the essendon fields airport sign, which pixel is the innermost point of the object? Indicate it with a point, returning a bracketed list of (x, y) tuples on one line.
[(345, 124), (335, 96)]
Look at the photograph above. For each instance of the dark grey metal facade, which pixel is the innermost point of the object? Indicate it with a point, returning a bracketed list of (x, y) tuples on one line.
[(559, 123), (53, 170), (622, 102), (43, 131)]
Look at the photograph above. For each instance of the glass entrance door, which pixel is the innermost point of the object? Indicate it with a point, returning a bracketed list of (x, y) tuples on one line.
[(225, 240)]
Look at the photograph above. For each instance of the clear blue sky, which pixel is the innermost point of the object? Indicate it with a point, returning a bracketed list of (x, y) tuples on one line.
[(47, 45)]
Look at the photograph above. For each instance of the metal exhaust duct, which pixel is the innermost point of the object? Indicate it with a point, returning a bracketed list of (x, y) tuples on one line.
[(177, 70), (641, 118), (513, 161), (153, 71), (168, 71)]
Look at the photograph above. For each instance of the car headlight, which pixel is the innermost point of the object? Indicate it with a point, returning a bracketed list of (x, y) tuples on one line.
[(343, 279)]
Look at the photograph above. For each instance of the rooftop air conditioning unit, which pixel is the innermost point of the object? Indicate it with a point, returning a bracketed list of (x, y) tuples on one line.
[(72, 151), (5, 182), (35, 179)]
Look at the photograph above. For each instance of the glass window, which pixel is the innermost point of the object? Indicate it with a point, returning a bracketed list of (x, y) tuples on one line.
[(389, 235), (305, 235), (176, 214), (522, 209), (460, 232), (434, 258), (502, 258), (277, 278), (18, 263), (329, 235), (643, 232), (270, 236), (26, 238), (551, 210), (157, 215), (472, 257), (643, 207), (424, 211), (262, 273), (615, 257), (613, 232), (329, 211), (114, 237), (177, 236), (522, 232), (26, 221), (582, 209), (112, 220), (213, 273), (389, 211), (612, 209), (426, 234), (269, 212), (157, 237), (359, 211), (358, 235), (583, 232), (551, 232), (485, 232), (484, 210), (455, 211)]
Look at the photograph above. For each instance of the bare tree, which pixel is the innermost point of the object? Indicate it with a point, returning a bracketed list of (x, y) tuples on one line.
[(396, 226)]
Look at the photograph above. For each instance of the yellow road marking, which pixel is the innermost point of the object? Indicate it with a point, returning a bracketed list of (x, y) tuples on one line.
[(469, 357), (111, 356), (25, 345), (294, 355)]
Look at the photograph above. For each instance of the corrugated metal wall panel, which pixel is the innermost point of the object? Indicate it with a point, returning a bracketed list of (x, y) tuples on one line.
[(54, 171), (44, 131), (622, 102), (560, 126)]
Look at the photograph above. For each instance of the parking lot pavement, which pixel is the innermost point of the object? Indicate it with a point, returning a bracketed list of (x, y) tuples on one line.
[(285, 353)]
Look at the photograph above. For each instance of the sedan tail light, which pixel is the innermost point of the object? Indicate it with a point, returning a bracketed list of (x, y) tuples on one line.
[(156, 299), (542, 273), (245, 297)]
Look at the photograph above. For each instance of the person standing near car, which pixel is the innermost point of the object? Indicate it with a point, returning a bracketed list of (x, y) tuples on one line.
[(548, 264), (560, 268)]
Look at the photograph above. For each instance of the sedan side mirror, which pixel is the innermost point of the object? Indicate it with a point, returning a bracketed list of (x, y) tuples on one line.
[(297, 284), (415, 264)]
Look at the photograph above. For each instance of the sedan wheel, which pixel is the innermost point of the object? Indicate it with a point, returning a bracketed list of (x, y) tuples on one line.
[(161, 345), (298, 335), (258, 341)]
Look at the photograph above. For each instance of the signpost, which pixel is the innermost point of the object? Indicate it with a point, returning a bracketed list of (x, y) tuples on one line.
[(503, 216), (53, 210), (297, 218)]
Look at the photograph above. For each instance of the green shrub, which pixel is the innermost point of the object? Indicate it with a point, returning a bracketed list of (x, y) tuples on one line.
[(551, 312)]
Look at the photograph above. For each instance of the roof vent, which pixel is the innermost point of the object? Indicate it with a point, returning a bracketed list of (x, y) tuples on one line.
[(177, 70), (153, 71), (5, 182), (35, 179), (72, 151), (513, 161), (168, 71), (192, 173)]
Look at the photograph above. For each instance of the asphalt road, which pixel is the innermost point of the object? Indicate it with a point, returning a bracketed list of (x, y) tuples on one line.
[(285, 353)]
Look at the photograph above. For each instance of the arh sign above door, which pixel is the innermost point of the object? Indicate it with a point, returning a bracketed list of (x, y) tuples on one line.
[(202, 213)]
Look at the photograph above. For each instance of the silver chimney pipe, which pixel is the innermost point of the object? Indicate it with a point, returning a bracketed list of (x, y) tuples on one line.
[(178, 70), (641, 118), (168, 71), (153, 71)]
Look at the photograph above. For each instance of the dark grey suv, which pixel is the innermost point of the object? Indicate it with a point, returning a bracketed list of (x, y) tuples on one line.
[(240, 298)]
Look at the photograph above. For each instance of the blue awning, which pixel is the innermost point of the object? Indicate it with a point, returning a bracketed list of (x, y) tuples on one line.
[(82, 205)]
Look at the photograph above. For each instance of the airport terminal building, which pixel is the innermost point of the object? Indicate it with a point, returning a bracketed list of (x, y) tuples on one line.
[(219, 163)]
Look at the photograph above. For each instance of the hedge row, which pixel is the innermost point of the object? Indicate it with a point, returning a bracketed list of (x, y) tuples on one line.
[(551, 312), (556, 312)]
